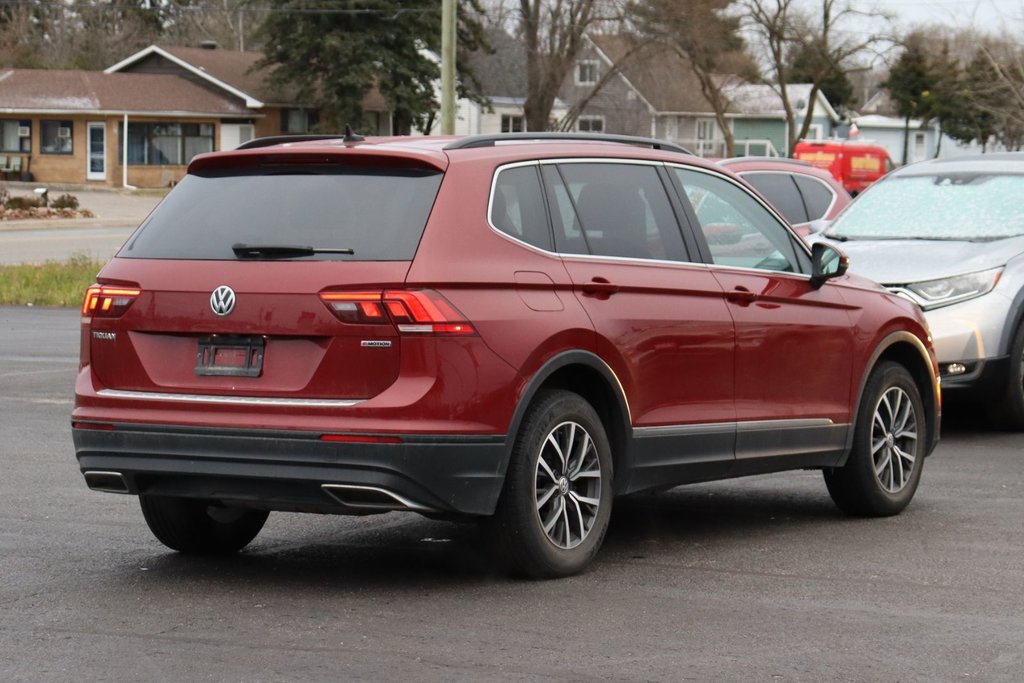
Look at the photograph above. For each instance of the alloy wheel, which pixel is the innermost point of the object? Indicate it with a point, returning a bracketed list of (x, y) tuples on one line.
[(894, 440), (567, 485)]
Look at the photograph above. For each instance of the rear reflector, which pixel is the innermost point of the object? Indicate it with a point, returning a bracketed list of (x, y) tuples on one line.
[(93, 425), (108, 302), (421, 311)]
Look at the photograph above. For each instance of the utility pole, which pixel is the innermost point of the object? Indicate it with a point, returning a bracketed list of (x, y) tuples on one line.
[(448, 17)]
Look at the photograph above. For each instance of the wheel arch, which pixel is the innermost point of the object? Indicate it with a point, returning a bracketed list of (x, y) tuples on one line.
[(1013, 322), (907, 350), (583, 373)]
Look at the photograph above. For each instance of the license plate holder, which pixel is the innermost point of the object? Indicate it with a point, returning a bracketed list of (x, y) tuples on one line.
[(230, 356)]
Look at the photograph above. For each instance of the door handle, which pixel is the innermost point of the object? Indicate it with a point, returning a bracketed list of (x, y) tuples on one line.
[(599, 287), (741, 296)]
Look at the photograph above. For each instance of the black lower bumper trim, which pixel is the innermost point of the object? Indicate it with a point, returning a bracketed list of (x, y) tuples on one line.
[(987, 381), (286, 470)]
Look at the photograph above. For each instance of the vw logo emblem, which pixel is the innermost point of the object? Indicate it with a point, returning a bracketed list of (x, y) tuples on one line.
[(222, 301)]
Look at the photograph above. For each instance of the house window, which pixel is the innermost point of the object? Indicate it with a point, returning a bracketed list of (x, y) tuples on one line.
[(706, 129), (590, 124), (55, 137), (815, 132), (15, 136), (299, 120), (587, 72), (512, 124), (165, 144)]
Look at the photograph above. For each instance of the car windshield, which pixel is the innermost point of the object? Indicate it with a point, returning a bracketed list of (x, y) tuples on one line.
[(961, 206)]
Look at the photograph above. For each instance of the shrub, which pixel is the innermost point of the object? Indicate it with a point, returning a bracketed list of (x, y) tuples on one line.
[(65, 201), (22, 203)]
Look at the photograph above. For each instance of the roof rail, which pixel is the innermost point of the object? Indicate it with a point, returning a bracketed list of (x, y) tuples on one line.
[(781, 160), (475, 141), (281, 139)]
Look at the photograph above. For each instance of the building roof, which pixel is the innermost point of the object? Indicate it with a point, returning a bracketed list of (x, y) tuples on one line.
[(232, 71), (68, 91), (759, 99), (501, 73), (658, 74)]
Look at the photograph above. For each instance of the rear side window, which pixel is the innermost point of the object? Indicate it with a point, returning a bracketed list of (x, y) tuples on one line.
[(517, 206), (782, 192), (817, 196), (378, 214), (609, 209)]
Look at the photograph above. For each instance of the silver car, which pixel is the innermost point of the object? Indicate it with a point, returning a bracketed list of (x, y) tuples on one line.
[(948, 234)]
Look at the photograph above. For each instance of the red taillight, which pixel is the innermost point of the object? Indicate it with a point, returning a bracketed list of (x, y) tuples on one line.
[(421, 311), (108, 302)]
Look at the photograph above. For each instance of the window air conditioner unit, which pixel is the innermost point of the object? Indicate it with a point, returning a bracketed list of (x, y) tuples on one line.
[(63, 132), (24, 131)]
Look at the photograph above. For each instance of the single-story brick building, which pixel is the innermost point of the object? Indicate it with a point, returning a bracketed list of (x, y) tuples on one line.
[(65, 126)]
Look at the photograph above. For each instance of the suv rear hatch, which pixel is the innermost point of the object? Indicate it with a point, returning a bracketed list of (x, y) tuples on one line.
[(305, 247)]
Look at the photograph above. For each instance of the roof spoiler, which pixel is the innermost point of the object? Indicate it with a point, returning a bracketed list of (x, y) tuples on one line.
[(348, 136)]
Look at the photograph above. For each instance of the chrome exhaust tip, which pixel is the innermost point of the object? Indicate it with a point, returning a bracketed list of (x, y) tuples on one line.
[(111, 482), (369, 497)]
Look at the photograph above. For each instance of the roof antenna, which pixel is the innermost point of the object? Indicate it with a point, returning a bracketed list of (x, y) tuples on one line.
[(351, 135)]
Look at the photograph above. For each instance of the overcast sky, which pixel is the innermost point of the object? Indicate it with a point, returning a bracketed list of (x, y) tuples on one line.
[(986, 15)]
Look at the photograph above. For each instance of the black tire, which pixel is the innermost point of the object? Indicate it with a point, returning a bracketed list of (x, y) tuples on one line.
[(1007, 411), (198, 528), (890, 437), (535, 491)]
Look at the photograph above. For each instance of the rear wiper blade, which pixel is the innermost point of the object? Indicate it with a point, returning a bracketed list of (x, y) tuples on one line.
[(281, 250)]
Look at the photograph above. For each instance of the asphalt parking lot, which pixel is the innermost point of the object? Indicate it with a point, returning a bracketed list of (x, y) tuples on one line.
[(759, 579)]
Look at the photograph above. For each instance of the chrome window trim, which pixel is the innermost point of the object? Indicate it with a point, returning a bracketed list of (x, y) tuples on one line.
[(831, 204), (625, 259), (724, 427), (229, 400)]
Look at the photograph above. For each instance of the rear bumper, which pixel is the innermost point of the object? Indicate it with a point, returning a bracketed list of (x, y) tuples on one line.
[(287, 470)]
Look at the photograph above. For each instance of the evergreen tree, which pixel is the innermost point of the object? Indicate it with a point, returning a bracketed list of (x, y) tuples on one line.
[(910, 85), (334, 57)]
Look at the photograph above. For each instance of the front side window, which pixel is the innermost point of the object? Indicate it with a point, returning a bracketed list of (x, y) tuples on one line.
[(781, 192), (738, 230), (818, 197), (165, 144), (15, 136), (55, 137), (517, 206), (609, 209)]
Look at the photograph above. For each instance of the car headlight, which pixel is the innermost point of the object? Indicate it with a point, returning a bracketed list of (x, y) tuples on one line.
[(951, 290)]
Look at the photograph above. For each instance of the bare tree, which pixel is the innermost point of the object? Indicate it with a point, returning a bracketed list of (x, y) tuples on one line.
[(553, 35), (781, 27), (705, 38)]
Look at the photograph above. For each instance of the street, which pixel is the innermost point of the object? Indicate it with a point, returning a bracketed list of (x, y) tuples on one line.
[(758, 579)]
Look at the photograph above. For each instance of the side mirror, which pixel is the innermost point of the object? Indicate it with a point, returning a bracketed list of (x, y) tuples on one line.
[(827, 262)]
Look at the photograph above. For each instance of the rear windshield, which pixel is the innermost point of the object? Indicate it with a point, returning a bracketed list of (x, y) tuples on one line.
[(377, 214)]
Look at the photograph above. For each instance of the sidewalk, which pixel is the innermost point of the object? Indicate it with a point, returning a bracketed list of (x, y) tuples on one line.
[(114, 208)]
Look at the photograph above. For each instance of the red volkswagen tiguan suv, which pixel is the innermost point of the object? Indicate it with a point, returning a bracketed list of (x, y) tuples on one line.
[(469, 328)]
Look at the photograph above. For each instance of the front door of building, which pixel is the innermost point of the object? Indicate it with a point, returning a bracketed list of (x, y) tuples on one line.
[(96, 160)]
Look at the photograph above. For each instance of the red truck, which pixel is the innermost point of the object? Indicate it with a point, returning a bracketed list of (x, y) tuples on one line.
[(854, 164)]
